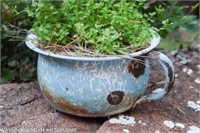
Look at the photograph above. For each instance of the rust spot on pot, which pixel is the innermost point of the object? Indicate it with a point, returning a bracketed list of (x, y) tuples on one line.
[(115, 97), (136, 68), (63, 104), (47, 94)]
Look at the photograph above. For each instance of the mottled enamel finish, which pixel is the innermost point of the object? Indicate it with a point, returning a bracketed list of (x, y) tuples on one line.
[(91, 88), (96, 87)]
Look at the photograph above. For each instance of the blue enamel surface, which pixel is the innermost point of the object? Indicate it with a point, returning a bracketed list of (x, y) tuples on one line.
[(87, 84)]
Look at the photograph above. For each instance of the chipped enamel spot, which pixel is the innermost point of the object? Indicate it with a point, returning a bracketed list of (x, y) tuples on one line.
[(195, 106), (124, 120), (197, 81), (193, 129), (126, 131), (169, 124), (179, 125)]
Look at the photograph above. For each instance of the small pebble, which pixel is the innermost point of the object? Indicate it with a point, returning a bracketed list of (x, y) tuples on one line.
[(144, 124), (193, 129), (195, 106), (184, 61), (179, 125), (191, 87), (174, 52), (198, 66), (126, 130), (190, 71), (169, 124), (197, 81), (140, 121), (23, 122), (157, 131), (124, 120), (185, 70)]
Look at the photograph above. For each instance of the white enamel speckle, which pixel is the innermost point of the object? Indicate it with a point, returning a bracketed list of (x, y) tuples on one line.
[(168, 123), (197, 81), (124, 120), (179, 125), (126, 131), (158, 90), (195, 106), (193, 129)]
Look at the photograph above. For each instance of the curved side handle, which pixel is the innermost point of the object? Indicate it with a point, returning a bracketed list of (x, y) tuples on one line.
[(168, 69)]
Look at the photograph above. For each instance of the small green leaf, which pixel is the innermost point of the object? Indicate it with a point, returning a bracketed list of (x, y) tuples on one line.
[(25, 76), (191, 28), (64, 41), (12, 63), (7, 75)]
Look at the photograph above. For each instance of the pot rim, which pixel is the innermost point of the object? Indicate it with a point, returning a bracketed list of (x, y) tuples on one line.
[(31, 44)]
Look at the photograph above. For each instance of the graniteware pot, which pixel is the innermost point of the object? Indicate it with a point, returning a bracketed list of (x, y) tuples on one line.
[(99, 86)]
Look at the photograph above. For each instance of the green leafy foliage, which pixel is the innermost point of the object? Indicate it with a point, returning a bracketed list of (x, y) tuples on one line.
[(106, 26), (181, 25), (17, 61)]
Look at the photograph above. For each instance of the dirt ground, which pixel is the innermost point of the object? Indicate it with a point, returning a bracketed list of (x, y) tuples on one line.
[(24, 109)]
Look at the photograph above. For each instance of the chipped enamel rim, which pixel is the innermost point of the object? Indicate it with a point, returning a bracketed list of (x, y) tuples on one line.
[(31, 44)]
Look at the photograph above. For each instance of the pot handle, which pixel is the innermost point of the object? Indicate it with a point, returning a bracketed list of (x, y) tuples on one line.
[(168, 69)]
